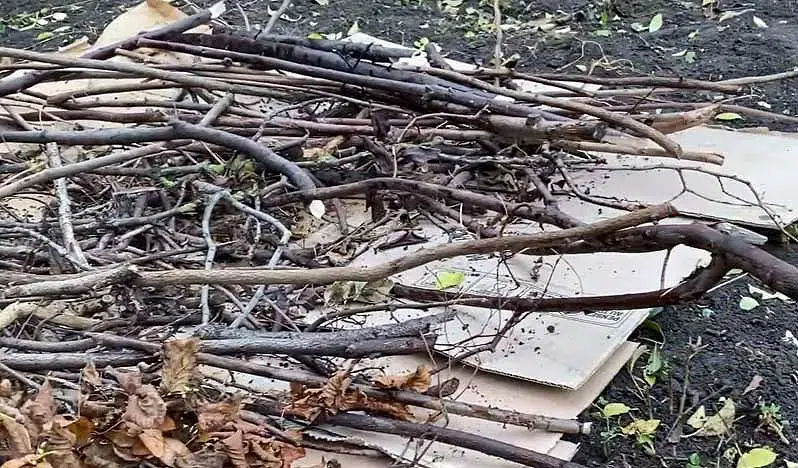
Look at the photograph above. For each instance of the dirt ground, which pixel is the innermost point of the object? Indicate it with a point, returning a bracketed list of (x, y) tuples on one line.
[(736, 345)]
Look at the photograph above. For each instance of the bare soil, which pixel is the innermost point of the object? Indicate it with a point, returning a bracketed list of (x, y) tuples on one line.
[(739, 345)]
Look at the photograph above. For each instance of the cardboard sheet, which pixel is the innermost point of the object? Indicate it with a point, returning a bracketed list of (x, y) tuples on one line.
[(475, 387), (541, 347), (765, 160)]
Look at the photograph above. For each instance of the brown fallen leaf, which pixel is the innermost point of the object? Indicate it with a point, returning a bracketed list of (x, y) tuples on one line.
[(90, 375), (64, 459), (174, 451), (205, 458), (153, 439), (129, 381), (96, 409), (419, 380), (234, 447), (290, 453), (756, 381), (318, 401), (40, 410), (120, 438), (16, 436), (101, 456), (145, 408), (213, 417), (180, 369), (27, 461)]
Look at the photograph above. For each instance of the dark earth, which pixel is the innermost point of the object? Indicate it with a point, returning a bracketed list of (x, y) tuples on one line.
[(692, 42)]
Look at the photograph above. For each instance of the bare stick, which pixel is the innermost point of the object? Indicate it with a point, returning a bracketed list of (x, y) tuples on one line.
[(276, 16)]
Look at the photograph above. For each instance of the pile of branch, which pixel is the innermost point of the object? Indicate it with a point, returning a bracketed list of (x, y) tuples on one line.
[(167, 213)]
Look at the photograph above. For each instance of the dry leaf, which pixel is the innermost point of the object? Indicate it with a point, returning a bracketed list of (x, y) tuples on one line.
[(234, 446), (146, 408), (290, 453), (154, 441), (16, 435), (336, 396), (95, 409), (174, 451), (125, 454), (213, 417), (330, 397), (90, 375), (60, 442), (31, 460), (181, 365), (205, 458), (40, 410), (120, 438), (129, 381), (717, 424), (755, 382), (167, 425), (264, 453), (419, 381), (101, 456), (388, 408), (81, 428), (63, 459)]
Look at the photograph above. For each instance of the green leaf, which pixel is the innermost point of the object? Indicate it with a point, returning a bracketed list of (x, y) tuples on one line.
[(655, 24), (728, 116), (602, 32), (655, 365), (44, 36), (706, 3), (449, 279), (421, 44), (315, 35), (748, 303), (167, 183), (216, 168), (689, 57), (694, 459), (614, 409), (756, 458)]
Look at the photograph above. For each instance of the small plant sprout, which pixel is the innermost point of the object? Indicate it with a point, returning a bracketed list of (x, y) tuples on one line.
[(611, 413), (770, 420), (694, 461), (643, 430)]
